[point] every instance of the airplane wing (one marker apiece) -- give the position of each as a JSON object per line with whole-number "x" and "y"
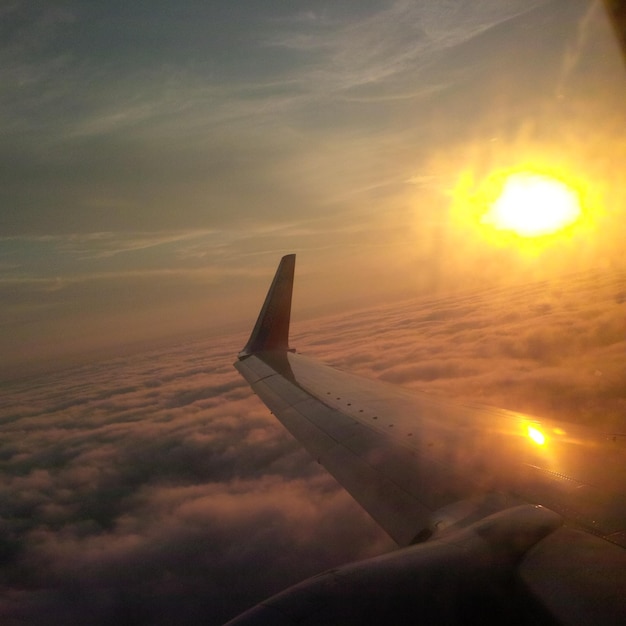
{"x": 498, "y": 515}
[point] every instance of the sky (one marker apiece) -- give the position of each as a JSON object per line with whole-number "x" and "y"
{"x": 158, "y": 159}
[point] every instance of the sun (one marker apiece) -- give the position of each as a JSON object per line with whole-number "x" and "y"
{"x": 532, "y": 205}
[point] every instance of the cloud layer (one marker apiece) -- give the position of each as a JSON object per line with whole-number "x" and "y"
{"x": 155, "y": 488}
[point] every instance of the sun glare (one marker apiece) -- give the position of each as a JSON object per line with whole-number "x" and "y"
{"x": 532, "y": 205}
{"x": 536, "y": 435}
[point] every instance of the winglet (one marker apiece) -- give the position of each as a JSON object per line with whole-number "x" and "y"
{"x": 271, "y": 331}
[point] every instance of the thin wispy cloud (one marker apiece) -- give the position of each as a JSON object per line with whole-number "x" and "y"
{"x": 401, "y": 37}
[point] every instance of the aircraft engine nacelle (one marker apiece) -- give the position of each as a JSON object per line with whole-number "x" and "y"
{"x": 495, "y": 571}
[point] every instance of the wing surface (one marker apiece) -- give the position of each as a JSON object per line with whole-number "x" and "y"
{"x": 463, "y": 482}
{"x": 419, "y": 464}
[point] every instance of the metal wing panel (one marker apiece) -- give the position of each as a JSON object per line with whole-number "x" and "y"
{"x": 466, "y": 449}
{"x": 430, "y": 453}
{"x": 324, "y": 431}
{"x": 404, "y": 456}
{"x": 579, "y": 578}
{"x": 420, "y": 475}
{"x": 396, "y": 485}
{"x": 423, "y": 465}
{"x": 254, "y": 370}
{"x": 401, "y": 514}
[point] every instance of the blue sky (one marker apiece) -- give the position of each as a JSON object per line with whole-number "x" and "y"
{"x": 157, "y": 158}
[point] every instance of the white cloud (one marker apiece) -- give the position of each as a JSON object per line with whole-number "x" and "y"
{"x": 145, "y": 482}
{"x": 401, "y": 37}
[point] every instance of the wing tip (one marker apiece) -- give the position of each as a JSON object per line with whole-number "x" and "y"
{"x": 271, "y": 331}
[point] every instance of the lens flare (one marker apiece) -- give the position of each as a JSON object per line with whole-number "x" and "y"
{"x": 532, "y": 205}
